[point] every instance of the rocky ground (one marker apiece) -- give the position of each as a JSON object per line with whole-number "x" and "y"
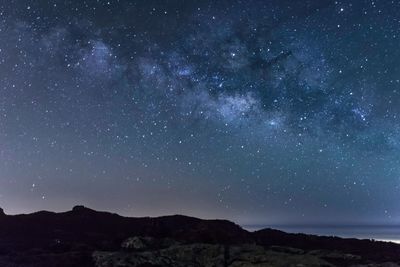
{"x": 147, "y": 251}
{"x": 200, "y": 254}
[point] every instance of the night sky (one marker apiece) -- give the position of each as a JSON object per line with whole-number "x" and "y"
{"x": 255, "y": 111}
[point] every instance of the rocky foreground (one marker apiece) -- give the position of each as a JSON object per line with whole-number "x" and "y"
{"x": 146, "y": 251}
{"x": 87, "y": 238}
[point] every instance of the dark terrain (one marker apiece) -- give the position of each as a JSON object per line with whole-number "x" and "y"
{"x": 84, "y": 237}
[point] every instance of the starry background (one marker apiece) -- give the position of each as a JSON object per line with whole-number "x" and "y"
{"x": 255, "y": 111}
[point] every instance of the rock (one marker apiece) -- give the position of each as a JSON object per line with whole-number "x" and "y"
{"x": 147, "y": 243}
{"x": 178, "y": 256}
{"x": 335, "y": 256}
{"x": 138, "y": 243}
{"x": 202, "y": 255}
{"x": 287, "y": 250}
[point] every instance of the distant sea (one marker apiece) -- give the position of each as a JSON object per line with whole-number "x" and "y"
{"x": 389, "y": 233}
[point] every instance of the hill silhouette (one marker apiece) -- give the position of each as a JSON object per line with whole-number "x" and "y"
{"x": 70, "y": 238}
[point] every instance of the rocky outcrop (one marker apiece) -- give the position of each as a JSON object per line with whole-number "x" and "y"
{"x": 146, "y": 251}
{"x": 147, "y": 243}
{"x": 2, "y": 212}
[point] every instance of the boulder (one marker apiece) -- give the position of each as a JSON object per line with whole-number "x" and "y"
{"x": 147, "y": 243}
{"x": 138, "y": 243}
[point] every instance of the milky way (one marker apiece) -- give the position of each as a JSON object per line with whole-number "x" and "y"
{"x": 254, "y": 111}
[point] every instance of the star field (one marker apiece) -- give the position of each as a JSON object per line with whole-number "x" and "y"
{"x": 254, "y": 111}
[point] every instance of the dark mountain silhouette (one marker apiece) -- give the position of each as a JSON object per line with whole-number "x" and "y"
{"x": 70, "y": 238}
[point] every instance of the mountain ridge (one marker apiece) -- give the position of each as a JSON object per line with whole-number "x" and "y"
{"x": 76, "y": 234}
